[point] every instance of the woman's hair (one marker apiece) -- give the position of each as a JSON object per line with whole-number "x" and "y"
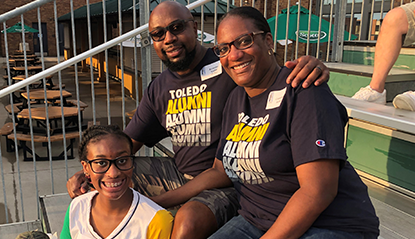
{"x": 248, "y": 13}
{"x": 95, "y": 133}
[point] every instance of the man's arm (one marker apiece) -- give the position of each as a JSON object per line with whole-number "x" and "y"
{"x": 309, "y": 68}
{"x": 136, "y": 145}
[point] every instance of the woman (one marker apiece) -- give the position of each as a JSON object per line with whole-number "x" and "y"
{"x": 113, "y": 210}
{"x": 281, "y": 147}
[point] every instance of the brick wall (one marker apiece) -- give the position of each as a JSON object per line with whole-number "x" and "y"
{"x": 47, "y": 16}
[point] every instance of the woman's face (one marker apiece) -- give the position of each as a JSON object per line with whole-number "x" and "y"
{"x": 114, "y": 183}
{"x": 246, "y": 67}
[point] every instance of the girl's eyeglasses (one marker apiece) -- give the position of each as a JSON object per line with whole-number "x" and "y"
{"x": 123, "y": 163}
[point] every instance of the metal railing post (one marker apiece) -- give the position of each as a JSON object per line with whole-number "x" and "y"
{"x": 145, "y": 54}
{"x": 338, "y": 31}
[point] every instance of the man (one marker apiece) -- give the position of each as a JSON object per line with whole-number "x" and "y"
{"x": 186, "y": 102}
{"x": 398, "y": 28}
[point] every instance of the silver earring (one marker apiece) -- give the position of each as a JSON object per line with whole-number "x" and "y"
{"x": 270, "y": 52}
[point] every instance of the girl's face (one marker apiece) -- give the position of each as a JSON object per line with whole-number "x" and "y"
{"x": 114, "y": 183}
{"x": 246, "y": 67}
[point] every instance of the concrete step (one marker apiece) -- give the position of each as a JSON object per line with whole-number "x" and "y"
{"x": 346, "y": 79}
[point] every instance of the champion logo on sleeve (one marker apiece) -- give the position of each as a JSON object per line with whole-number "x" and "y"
{"x": 321, "y": 143}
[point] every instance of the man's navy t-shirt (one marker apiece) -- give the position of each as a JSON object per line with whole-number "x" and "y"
{"x": 189, "y": 109}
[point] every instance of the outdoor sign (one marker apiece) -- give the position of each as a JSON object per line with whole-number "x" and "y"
{"x": 313, "y": 35}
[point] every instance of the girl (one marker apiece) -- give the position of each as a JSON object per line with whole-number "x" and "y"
{"x": 113, "y": 209}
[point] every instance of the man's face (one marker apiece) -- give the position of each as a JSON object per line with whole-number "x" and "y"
{"x": 177, "y": 51}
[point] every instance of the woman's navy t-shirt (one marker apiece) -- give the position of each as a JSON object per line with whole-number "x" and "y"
{"x": 265, "y": 137}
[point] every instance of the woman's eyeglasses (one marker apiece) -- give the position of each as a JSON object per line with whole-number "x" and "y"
{"x": 123, "y": 163}
{"x": 241, "y": 43}
{"x": 174, "y": 28}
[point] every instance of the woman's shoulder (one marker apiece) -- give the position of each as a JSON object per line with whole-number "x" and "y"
{"x": 284, "y": 72}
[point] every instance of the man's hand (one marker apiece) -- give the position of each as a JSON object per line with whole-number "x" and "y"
{"x": 77, "y": 185}
{"x": 308, "y": 68}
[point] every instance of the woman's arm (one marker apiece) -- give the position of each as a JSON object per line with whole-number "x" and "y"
{"x": 318, "y": 187}
{"x": 214, "y": 177}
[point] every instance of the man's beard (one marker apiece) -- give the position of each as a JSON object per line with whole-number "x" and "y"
{"x": 180, "y": 65}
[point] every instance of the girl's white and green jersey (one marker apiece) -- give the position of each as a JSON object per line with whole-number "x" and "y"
{"x": 145, "y": 219}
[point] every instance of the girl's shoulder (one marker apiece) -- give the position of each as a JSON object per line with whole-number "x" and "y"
{"x": 84, "y": 198}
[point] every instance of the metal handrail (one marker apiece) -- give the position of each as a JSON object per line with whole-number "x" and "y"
{"x": 83, "y": 56}
{"x": 20, "y": 10}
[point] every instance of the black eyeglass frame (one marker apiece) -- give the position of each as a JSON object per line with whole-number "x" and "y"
{"x": 252, "y": 34}
{"x": 165, "y": 29}
{"x": 111, "y": 162}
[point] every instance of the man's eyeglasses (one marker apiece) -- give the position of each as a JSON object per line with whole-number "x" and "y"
{"x": 241, "y": 43}
{"x": 174, "y": 28}
{"x": 123, "y": 163}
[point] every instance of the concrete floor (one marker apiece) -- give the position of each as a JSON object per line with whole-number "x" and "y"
{"x": 19, "y": 177}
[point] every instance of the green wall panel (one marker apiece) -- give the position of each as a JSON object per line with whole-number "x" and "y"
{"x": 359, "y": 57}
{"x": 385, "y": 157}
{"x": 367, "y": 58}
{"x": 347, "y": 84}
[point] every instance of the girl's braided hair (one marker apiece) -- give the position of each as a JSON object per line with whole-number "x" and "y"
{"x": 95, "y": 133}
